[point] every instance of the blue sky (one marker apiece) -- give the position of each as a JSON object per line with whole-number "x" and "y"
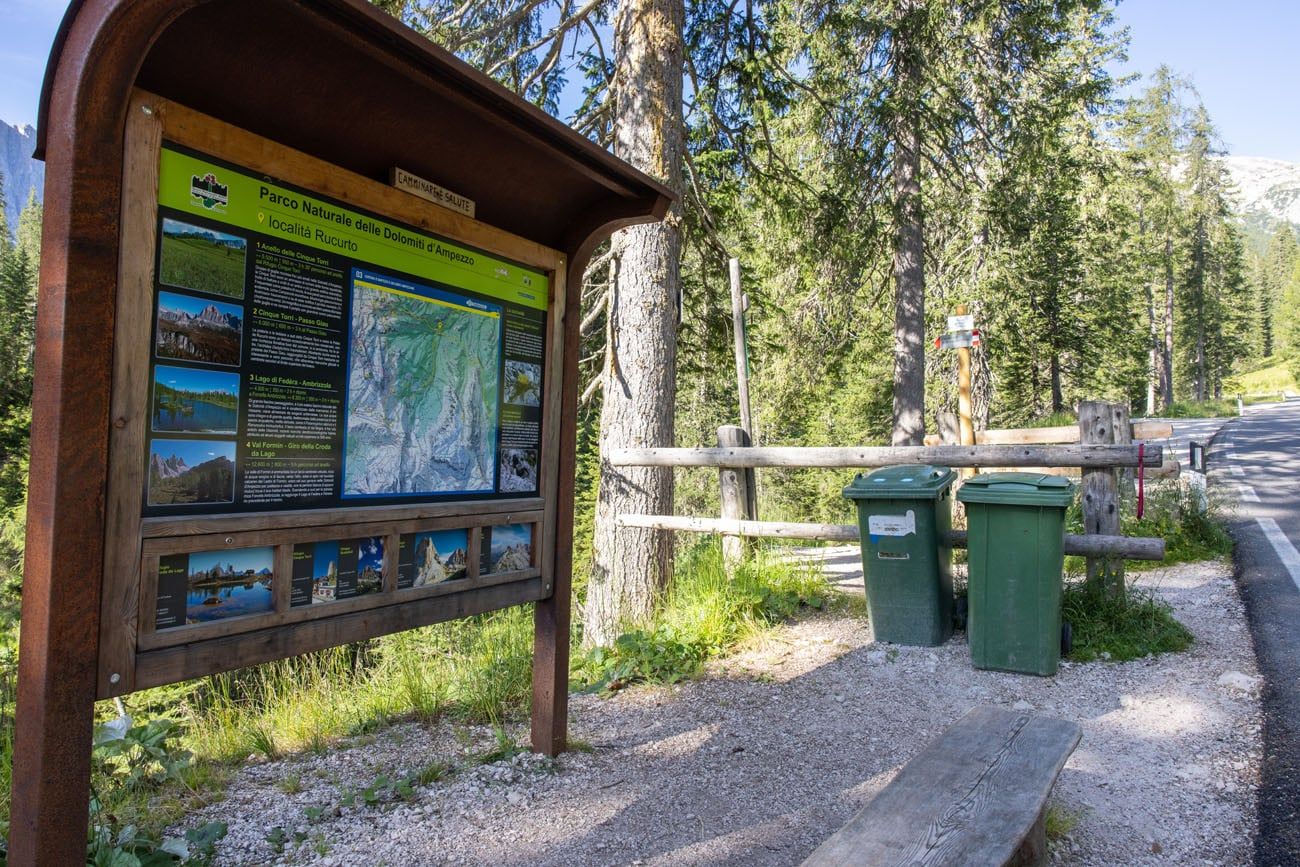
{"x": 1242, "y": 56}
{"x": 177, "y": 227}
{"x": 193, "y": 379}
{"x": 510, "y": 534}
{"x": 242, "y": 559}
{"x": 324, "y": 554}
{"x": 194, "y": 452}
{"x": 444, "y": 541}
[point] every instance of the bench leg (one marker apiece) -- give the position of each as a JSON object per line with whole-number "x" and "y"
{"x": 1033, "y": 851}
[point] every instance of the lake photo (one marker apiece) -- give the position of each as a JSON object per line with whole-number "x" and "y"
{"x": 195, "y": 401}
{"x": 225, "y": 584}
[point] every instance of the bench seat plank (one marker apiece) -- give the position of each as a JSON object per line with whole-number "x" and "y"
{"x": 973, "y": 796}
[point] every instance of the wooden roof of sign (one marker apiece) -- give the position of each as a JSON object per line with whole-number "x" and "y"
{"x": 346, "y": 83}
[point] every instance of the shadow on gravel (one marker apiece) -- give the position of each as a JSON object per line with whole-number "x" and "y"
{"x": 746, "y": 772}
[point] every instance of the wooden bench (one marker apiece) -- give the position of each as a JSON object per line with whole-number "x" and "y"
{"x": 977, "y": 795}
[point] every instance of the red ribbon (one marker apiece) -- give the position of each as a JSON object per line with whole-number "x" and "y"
{"x": 1142, "y": 468}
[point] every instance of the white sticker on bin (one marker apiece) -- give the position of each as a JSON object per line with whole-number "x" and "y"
{"x": 892, "y": 525}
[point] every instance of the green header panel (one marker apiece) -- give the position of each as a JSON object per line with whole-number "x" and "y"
{"x": 220, "y": 193}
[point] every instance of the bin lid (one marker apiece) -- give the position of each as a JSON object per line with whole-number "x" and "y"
{"x": 1018, "y": 489}
{"x": 920, "y": 481}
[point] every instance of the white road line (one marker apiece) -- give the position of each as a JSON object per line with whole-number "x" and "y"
{"x": 1286, "y": 552}
{"x": 1248, "y": 493}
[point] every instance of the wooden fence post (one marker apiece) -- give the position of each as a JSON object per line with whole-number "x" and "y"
{"x": 1100, "y": 496}
{"x": 1122, "y": 425}
{"x": 734, "y": 487}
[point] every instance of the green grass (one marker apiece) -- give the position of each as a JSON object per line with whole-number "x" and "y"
{"x": 1275, "y": 376}
{"x": 1060, "y": 822}
{"x": 1054, "y": 419}
{"x": 193, "y": 263}
{"x": 1191, "y": 533}
{"x": 476, "y": 670}
{"x": 1200, "y": 409}
{"x": 704, "y": 615}
{"x": 1120, "y": 628}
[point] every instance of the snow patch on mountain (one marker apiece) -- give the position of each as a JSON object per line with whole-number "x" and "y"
{"x": 1267, "y": 188}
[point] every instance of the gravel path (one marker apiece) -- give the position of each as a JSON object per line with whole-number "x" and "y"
{"x": 764, "y": 758}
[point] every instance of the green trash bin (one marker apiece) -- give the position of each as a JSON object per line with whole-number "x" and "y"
{"x": 1016, "y": 524}
{"x": 904, "y": 517}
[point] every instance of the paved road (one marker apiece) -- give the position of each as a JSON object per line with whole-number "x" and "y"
{"x": 1257, "y": 459}
{"x": 1187, "y": 430}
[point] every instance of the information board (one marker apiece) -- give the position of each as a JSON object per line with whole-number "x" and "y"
{"x": 305, "y": 354}
{"x": 333, "y": 401}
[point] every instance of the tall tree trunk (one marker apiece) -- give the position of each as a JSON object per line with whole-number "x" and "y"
{"x": 1153, "y": 353}
{"x": 1058, "y": 399}
{"x": 909, "y": 242}
{"x": 1167, "y": 351}
{"x": 631, "y": 567}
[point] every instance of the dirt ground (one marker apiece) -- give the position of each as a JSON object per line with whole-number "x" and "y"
{"x": 773, "y": 750}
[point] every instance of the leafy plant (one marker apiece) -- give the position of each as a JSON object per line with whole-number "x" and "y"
{"x": 131, "y": 754}
{"x": 277, "y": 838}
{"x": 125, "y": 757}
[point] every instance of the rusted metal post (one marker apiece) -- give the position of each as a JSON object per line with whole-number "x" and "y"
{"x": 733, "y": 487}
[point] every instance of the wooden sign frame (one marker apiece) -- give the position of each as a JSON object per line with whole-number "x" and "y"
{"x": 330, "y": 95}
{"x": 133, "y": 654}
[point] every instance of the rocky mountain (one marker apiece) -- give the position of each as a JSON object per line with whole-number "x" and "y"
{"x": 167, "y": 468}
{"x": 515, "y": 558}
{"x": 432, "y": 568}
{"x": 21, "y": 173}
{"x": 211, "y": 317}
{"x": 1268, "y": 192}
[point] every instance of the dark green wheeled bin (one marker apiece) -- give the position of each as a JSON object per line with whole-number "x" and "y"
{"x": 1016, "y": 524}
{"x": 904, "y": 516}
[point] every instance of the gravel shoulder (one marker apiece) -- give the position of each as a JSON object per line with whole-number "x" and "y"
{"x": 768, "y": 754}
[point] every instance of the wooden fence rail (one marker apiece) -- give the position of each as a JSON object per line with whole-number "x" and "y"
{"x": 1127, "y": 547}
{"x": 1102, "y": 446}
{"x": 1142, "y": 430}
{"x": 840, "y": 457}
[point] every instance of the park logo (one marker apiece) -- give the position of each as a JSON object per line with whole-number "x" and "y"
{"x": 209, "y": 192}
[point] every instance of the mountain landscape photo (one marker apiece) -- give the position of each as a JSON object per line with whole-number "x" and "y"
{"x": 196, "y": 329}
{"x": 197, "y": 471}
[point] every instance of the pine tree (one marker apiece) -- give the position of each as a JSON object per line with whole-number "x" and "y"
{"x": 1274, "y": 277}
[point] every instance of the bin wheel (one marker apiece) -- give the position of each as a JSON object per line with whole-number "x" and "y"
{"x": 959, "y": 613}
{"x": 1067, "y": 638}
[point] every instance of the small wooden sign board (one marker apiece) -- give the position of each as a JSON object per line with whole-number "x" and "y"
{"x": 282, "y": 405}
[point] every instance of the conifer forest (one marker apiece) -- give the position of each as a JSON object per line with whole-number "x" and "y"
{"x": 872, "y": 166}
